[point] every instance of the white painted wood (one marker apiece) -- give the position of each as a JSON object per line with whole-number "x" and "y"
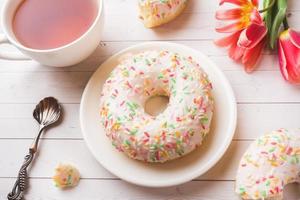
{"x": 119, "y": 190}
{"x": 106, "y": 49}
{"x": 29, "y": 87}
{"x": 52, "y": 152}
{"x": 191, "y": 26}
{"x": 194, "y": 6}
{"x": 27, "y": 127}
{"x": 253, "y": 121}
{"x": 266, "y": 102}
{"x": 92, "y": 189}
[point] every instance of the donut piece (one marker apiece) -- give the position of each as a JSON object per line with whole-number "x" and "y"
{"x": 66, "y": 176}
{"x": 158, "y": 12}
{"x": 270, "y": 163}
{"x": 179, "y": 129}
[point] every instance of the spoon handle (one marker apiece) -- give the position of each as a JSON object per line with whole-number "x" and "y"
{"x": 21, "y": 182}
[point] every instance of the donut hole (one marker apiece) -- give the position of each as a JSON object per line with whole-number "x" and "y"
{"x": 156, "y": 105}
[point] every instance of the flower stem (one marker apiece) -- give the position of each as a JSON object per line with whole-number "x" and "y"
{"x": 269, "y": 7}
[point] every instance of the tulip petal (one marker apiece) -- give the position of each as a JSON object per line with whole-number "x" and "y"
{"x": 229, "y": 14}
{"x": 252, "y": 55}
{"x": 289, "y": 59}
{"x": 230, "y": 28}
{"x": 282, "y": 62}
{"x": 229, "y": 40}
{"x": 235, "y": 52}
{"x": 295, "y": 37}
{"x": 255, "y": 17}
{"x": 236, "y": 2}
{"x": 255, "y": 2}
{"x": 252, "y": 35}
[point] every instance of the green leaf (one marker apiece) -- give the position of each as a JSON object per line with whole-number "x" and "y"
{"x": 268, "y": 15}
{"x": 281, "y": 8}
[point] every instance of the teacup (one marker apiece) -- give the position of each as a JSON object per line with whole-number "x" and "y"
{"x": 70, "y": 54}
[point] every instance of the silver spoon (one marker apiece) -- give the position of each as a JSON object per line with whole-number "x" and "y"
{"x": 46, "y": 113}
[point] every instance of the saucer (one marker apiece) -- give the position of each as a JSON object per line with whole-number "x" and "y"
{"x": 173, "y": 172}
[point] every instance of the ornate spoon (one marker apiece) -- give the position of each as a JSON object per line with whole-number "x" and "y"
{"x": 46, "y": 113}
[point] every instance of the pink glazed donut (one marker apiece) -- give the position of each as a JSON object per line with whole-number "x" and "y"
{"x": 179, "y": 129}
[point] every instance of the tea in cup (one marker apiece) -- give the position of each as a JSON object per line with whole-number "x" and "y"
{"x": 52, "y": 32}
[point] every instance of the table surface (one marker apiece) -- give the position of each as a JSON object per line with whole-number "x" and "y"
{"x": 265, "y": 102}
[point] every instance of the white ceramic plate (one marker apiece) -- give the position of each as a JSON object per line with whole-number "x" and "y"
{"x": 174, "y": 172}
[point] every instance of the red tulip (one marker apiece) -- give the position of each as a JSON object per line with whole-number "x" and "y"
{"x": 289, "y": 55}
{"x": 248, "y": 32}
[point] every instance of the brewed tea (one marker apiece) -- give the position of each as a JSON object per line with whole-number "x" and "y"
{"x": 47, "y": 24}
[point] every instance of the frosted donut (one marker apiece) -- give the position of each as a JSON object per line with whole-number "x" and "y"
{"x": 158, "y": 12}
{"x": 270, "y": 163}
{"x": 179, "y": 129}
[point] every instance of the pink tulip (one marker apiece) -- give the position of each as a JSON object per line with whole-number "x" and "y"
{"x": 248, "y": 31}
{"x": 242, "y": 15}
{"x": 289, "y": 55}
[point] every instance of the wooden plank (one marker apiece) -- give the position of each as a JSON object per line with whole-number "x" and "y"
{"x": 224, "y": 170}
{"x": 187, "y": 26}
{"x": 253, "y": 121}
{"x": 53, "y": 152}
{"x": 194, "y": 6}
{"x": 129, "y": 7}
{"x": 27, "y": 87}
{"x": 261, "y": 86}
{"x": 115, "y": 189}
{"x": 106, "y": 49}
{"x": 27, "y": 127}
{"x": 265, "y": 103}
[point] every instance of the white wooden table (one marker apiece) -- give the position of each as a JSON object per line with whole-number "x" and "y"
{"x": 265, "y": 102}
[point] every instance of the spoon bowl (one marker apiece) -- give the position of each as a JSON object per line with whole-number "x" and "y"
{"x": 47, "y": 112}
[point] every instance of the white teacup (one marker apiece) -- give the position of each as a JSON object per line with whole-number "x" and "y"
{"x": 66, "y": 55}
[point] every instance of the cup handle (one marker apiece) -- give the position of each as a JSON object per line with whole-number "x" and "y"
{"x": 10, "y": 55}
